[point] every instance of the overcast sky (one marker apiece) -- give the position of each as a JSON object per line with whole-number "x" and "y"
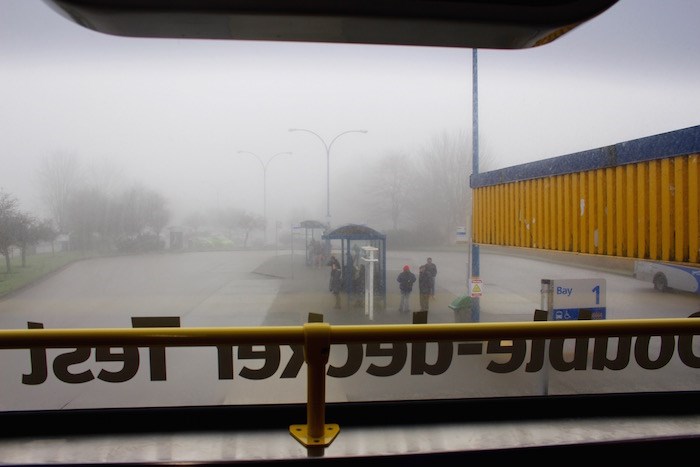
{"x": 173, "y": 114}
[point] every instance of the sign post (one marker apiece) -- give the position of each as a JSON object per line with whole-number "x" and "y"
{"x": 566, "y": 298}
{"x": 461, "y": 235}
{"x": 476, "y": 287}
{"x": 368, "y": 256}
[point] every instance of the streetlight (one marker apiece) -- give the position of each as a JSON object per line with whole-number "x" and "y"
{"x": 264, "y": 166}
{"x": 328, "y": 163}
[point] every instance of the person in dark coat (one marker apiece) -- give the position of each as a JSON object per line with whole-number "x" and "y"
{"x": 336, "y": 283}
{"x": 424, "y": 288}
{"x": 431, "y": 270}
{"x": 359, "y": 286}
{"x": 405, "y": 279}
{"x": 333, "y": 261}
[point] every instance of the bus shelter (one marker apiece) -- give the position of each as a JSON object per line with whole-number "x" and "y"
{"x": 353, "y": 238}
{"x": 311, "y": 227}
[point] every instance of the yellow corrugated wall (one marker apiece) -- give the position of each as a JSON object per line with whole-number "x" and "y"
{"x": 648, "y": 210}
{"x": 693, "y": 209}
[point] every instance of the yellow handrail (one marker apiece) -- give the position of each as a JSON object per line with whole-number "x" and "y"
{"x": 318, "y": 337}
{"x": 341, "y": 334}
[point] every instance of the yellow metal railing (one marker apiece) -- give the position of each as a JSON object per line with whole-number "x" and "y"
{"x": 318, "y": 337}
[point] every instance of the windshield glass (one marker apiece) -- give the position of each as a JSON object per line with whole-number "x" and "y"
{"x": 219, "y": 183}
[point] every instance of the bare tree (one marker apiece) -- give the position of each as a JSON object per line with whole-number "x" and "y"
{"x": 106, "y": 175}
{"x": 59, "y": 176}
{"x": 237, "y": 219}
{"x": 195, "y": 220}
{"x": 386, "y": 188}
{"x": 8, "y": 226}
{"x": 84, "y": 217}
{"x": 144, "y": 209}
{"x": 156, "y": 212}
{"x": 94, "y": 216}
{"x": 25, "y": 234}
{"x": 29, "y": 232}
{"x": 249, "y": 222}
{"x": 443, "y": 177}
{"x": 20, "y": 229}
{"x": 44, "y": 231}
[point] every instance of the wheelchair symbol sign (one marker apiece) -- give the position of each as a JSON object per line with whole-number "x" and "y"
{"x": 567, "y": 298}
{"x": 562, "y": 314}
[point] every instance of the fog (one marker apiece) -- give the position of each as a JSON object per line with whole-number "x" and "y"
{"x": 182, "y": 117}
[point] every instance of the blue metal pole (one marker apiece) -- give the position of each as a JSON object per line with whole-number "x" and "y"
{"x": 475, "y": 306}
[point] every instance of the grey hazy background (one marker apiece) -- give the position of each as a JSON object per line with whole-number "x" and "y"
{"x": 173, "y": 114}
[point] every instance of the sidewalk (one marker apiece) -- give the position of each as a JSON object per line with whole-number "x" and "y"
{"x": 304, "y": 290}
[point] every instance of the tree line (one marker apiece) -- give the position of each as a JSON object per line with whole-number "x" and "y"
{"x": 96, "y": 213}
{"x": 418, "y": 198}
{"x": 93, "y": 217}
{"x": 20, "y": 229}
{"x": 421, "y": 197}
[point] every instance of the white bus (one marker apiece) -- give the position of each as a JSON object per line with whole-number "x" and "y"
{"x": 666, "y": 276}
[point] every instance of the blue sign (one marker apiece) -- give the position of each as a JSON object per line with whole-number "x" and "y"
{"x": 569, "y": 296}
{"x": 565, "y": 314}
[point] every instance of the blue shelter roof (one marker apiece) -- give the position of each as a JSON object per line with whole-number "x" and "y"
{"x": 354, "y": 232}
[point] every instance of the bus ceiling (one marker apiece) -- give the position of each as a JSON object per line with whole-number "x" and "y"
{"x": 484, "y": 24}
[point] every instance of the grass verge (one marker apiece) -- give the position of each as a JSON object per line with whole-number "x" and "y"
{"x": 38, "y": 266}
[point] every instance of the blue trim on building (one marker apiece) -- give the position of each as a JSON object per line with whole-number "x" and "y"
{"x": 661, "y": 146}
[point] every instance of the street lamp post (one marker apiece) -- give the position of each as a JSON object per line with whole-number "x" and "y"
{"x": 476, "y": 307}
{"x": 328, "y": 163}
{"x": 264, "y": 167}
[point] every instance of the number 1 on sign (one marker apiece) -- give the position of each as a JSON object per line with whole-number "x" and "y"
{"x": 596, "y": 289}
